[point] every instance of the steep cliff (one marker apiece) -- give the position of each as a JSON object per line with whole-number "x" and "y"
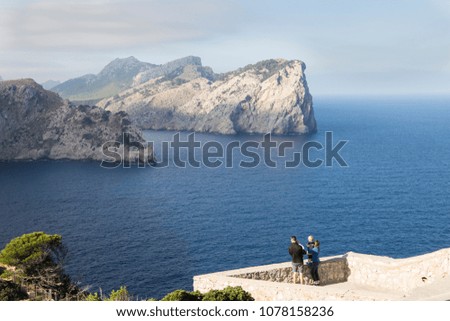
{"x": 36, "y": 123}
{"x": 270, "y": 96}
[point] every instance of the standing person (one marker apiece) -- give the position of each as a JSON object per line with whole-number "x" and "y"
{"x": 314, "y": 252}
{"x": 310, "y": 245}
{"x": 296, "y": 251}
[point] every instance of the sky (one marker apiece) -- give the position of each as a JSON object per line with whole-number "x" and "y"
{"x": 350, "y": 47}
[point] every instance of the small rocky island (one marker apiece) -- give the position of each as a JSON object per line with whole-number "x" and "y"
{"x": 39, "y": 124}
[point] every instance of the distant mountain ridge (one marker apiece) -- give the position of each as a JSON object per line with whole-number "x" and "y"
{"x": 113, "y": 78}
{"x": 49, "y": 84}
{"x": 121, "y": 74}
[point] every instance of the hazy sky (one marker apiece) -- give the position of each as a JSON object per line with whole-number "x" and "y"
{"x": 349, "y": 46}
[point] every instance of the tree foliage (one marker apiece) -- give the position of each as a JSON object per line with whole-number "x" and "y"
{"x": 36, "y": 260}
{"x": 32, "y": 251}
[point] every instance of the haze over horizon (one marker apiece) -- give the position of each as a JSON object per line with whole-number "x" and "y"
{"x": 349, "y": 47}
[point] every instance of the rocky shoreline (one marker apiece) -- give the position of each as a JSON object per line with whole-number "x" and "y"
{"x": 38, "y": 124}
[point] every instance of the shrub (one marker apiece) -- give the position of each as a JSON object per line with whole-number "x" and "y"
{"x": 228, "y": 294}
{"x": 92, "y": 297}
{"x": 182, "y": 295}
{"x": 10, "y": 291}
{"x": 87, "y": 121}
{"x": 120, "y": 295}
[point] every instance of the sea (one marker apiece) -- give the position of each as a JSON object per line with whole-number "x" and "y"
{"x": 152, "y": 229}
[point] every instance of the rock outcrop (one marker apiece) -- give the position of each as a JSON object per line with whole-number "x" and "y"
{"x": 38, "y": 124}
{"x": 172, "y": 68}
{"x": 270, "y": 96}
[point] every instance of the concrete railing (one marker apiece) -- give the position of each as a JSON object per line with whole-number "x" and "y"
{"x": 398, "y": 274}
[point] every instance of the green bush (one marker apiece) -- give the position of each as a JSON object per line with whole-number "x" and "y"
{"x": 228, "y": 294}
{"x": 182, "y": 295}
{"x": 92, "y": 297}
{"x": 120, "y": 295}
{"x": 10, "y": 291}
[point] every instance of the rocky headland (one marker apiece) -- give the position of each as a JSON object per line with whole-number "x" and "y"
{"x": 39, "y": 124}
{"x": 271, "y": 96}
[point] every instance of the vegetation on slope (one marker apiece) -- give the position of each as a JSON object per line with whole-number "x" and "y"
{"x": 32, "y": 267}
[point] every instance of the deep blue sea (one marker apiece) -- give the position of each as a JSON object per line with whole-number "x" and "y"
{"x": 153, "y": 229}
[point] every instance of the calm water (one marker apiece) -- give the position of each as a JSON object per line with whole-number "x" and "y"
{"x": 153, "y": 229}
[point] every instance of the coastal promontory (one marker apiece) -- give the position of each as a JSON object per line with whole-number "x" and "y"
{"x": 271, "y": 96}
{"x": 39, "y": 124}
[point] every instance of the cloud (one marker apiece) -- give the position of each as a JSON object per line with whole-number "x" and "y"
{"x": 102, "y": 25}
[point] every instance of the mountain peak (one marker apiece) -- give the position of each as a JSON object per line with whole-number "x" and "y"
{"x": 188, "y": 60}
{"x": 124, "y": 65}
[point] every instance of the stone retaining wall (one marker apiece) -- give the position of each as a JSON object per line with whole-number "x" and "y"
{"x": 332, "y": 270}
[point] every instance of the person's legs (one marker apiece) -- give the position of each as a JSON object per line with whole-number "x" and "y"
{"x": 300, "y": 270}
{"x": 294, "y": 272}
{"x": 315, "y": 273}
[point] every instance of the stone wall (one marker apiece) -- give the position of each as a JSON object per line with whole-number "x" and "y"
{"x": 398, "y": 274}
{"x": 352, "y": 276}
{"x": 332, "y": 270}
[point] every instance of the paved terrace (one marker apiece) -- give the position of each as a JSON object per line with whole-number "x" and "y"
{"x": 351, "y": 276}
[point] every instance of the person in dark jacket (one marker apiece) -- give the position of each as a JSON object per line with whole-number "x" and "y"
{"x": 314, "y": 253}
{"x": 296, "y": 251}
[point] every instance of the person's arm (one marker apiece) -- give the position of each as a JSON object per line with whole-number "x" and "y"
{"x": 303, "y": 249}
{"x": 290, "y": 250}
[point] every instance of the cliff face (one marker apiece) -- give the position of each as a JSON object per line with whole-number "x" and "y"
{"x": 35, "y": 123}
{"x": 270, "y": 96}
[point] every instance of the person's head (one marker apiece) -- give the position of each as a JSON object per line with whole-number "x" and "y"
{"x": 310, "y": 238}
{"x": 293, "y": 239}
{"x": 316, "y": 243}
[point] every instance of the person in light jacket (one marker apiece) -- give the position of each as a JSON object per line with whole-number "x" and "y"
{"x": 314, "y": 253}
